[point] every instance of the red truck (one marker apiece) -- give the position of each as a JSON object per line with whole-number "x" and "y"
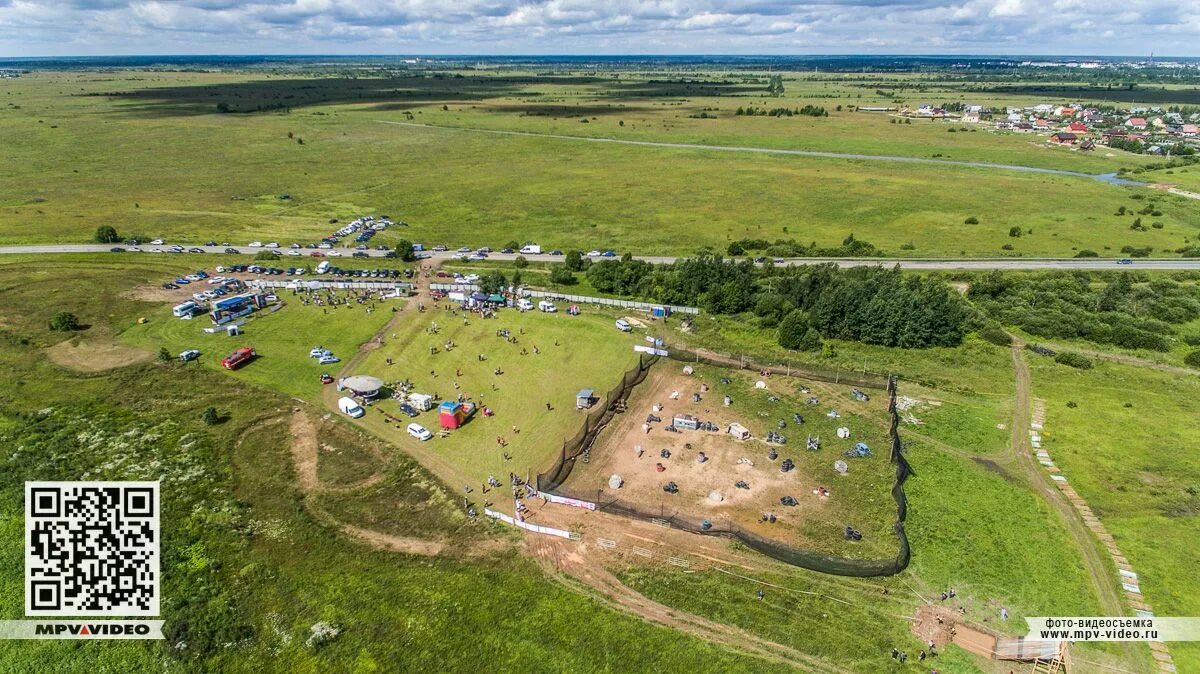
{"x": 239, "y": 357}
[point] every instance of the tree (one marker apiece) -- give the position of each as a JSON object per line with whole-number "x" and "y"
{"x": 64, "y": 321}
{"x": 520, "y": 262}
{"x": 573, "y": 260}
{"x": 1192, "y": 359}
{"x": 264, "y": 256}
{"x": 223, "y": 107}
{"x": 792, "y": 330}
{"x": 560, "y": 275}
{"x": 1014, "y": 232}
{"x": 971, "y": 221}
{"x": 106, "y": 234}
{"x": 512, "y": 245}
{"x": 493, "y": 282}
{"x": 164, "y": 356}
{"x": 736, "y": 248}
{"x": 210, "y": 417}
{"x": 404, "y": 250}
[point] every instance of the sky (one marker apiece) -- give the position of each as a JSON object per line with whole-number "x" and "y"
{"x": 501, "y": 27}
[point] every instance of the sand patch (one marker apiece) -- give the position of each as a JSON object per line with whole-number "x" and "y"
{"x": 95, "y": 356}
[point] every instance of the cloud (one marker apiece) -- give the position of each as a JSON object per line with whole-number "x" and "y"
{"x": 48, "y": 27}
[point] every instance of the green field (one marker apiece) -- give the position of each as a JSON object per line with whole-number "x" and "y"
{"x": 78, "y": 161}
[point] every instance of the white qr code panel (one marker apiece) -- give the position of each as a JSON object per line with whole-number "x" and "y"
{"x": 91, "y": 549}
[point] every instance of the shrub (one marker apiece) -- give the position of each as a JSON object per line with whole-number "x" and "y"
{"x": 1087, "y": 253}
{"x": 164, "y": 356}
{"x": 971, "y": 221}
{"x": 210, "y": 417}
{"x": 64, "y": 321}
{"x": 1075, "y": 360}
{"x": 561, "y": 276}
{"x": 264, "y": 256}
{"x": 996, "y": 335}
{"x": 1014, "y": 232}
{"x": 106, "y": 234}
{"x": 735, "y": 248}
{"x": 1192, "y": 359}
{"x": 520, "y": 262}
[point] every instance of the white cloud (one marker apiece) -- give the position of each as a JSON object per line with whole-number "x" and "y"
{"x": 48, "y": 27}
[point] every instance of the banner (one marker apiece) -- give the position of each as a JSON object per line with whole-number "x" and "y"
{"x": 81, "y": 629}
{"x": 1101, "y": 628}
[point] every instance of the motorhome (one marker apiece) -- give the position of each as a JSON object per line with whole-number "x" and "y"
{"x": 547, "y": 307}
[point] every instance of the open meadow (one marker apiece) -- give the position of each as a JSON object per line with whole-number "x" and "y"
{"x": 78, "y": 156}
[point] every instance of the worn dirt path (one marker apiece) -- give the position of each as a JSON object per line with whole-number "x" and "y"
{"x": 1103, "y": 582}
{"x": 1125, "y": 359}
{"x": 563, "y": 558}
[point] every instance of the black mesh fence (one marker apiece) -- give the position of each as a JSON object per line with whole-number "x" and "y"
{"x": 861, "y": 379}
{"x": 831, "y": 564}
{"x": 596, "y": 419}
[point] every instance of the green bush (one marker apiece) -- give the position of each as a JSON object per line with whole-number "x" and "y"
{"x": 1075, "y": 360}
{"x": 996, "y": 335}
{"x": 106, "y": 234}
{"x": 561, "y": 276}
{"x": 64, "y": 321}
{"x": 1193, "y": 358}
{"x": 1087, "y": 253}
{"x": 264, "y": 256}
{"x": 971, "y": 221}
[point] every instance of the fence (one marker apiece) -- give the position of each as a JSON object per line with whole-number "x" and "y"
{"x": 831, "y": 564}
{"x": 861, "y": 379}
{"x": 596, "y": 420}
{"x": 575, "y": 299}
{"x": 549, "y": 531}
{"x": 322, "y": 284}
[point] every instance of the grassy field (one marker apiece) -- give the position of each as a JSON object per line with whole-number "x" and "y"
{"x": 78, "y": 161}
{"x": 1123, "y": 446}
{"x": 247, "y": 570}
{"x": 575, "y": 352}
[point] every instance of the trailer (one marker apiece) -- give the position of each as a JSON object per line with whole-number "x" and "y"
{"x": 685, "y": 422}
{"x": 421, "y": 401}
{"x": 547, "y": 307}
{"x": 739, "y": 431}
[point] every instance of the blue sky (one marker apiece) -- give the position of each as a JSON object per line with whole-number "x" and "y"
{"x": 1079, "y": 27}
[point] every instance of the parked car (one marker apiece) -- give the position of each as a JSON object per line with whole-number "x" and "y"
{"x": 116, "y": 249}
{"x": 190, "y": 354}
{"x": 556, "y": 252}
{"x": 1125, "y": 260}
{"x": 439, "y": 248}
{"x": 408, "y": 409}
{"x": 318, "y": 351}
{"x": 256, "y": 244}
{"x": 328, "y": 360}
{"x": 350, "y": 407}
{"x": 211, "y": 243}
{"x": 594, "y": 253}
{"x": 272, "y": 244}
{"x": 232, "y": 251}
{"x": 157, "y": 242}
{"x": 182, "y": 281}
{"x": 419, "y": 432}
{"x": 134, "y": 249}
{"x": 294, "y": 253}
{"x": 609, "y": 253}
{"x": 293, "y": 245}
{"x": 316, "y": 253}
{"x": 195, "y": 250}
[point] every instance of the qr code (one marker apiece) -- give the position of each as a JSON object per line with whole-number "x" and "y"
{"x": 91, "y": 549}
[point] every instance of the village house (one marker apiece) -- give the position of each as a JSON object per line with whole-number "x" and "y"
{"x": 1064, "y": 138}
{"x": 1077, "y": 127}
{"x": 1136, "y": 122}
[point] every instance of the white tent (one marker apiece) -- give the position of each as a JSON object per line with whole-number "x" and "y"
{"x": 615, "y": 481}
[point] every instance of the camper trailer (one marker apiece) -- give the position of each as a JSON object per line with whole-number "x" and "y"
{"x": 547, "y": 307}
{"x": 421, "y": 401}
{"x": 350, "y": 408}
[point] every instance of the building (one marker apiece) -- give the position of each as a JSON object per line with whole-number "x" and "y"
{"x": 1136, "y": 122}
{"x": 1064, "y": 138}
{"x": 585, "y": 399}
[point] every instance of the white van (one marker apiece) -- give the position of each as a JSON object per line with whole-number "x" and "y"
{"x": 531, "y": 249}
{"x": 623, "y": 325}
{"x": 524, "y": 304}
{"x": 419, "y": 432}
{"x": 184, "y": 310}
{"x": 547, "y": 307}
{"x": 323, "y": 267}
{"x": 350, "y": 408}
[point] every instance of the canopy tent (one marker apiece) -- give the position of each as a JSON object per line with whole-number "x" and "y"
{"x": 363, "y": 385}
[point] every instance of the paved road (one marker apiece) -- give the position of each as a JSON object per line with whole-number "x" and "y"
{"x": 1110, "y": 178}
{"x": 945, "y": 264}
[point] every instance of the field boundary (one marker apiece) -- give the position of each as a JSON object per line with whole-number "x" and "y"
{"x": 831, "y": 564}
{"x": 862, "y": 379}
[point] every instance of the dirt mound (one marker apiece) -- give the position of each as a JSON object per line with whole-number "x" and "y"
{"x": 94, "y": 356}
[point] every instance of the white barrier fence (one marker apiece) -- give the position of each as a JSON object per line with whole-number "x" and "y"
{"x": 322, "y": 284}
{"x": 564, "y": 500}
{"x": 549, "y": 531}
{"x": 577, "y": 299}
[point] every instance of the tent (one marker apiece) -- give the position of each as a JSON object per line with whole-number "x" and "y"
{"x": 363, "y": 385}
{"x": 585, "y": 398}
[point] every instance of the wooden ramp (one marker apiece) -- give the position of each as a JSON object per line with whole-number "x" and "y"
{"x": 974, "y": 641}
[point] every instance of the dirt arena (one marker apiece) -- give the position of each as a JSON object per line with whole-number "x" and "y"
{"x": 859, "y": 498}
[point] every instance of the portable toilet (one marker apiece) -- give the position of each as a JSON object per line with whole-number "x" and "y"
{"x": 233, "y": 330}
{"x": 659, "y": 312}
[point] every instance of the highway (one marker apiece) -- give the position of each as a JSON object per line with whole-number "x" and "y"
{"x": 915, "y": 264}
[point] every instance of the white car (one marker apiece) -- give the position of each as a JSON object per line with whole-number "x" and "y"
{"x": 220, "y": 270}
{"x": 464, "y": 249}
{"x": 594, "y": 253}
{"x": 294, "y": 253}
{"x": 134, "y": 249}
{"x": 157, "y": 242}
{"x": 194, "y": 278}
{"x": 190, "y": 354}
{"x": 471, "y": 278}
{"x": 256, "y": 244}
{"x": 324, "y": 246}
{"x": 329, "y": 359}
{"x": 458, "y": 256}
{"x": 419, "y": 432}
{"x": 334, "y": 253}
{"x": 294, "y": 245}
{"x": 318, "y": 351}
{"x": 273, "y": 244}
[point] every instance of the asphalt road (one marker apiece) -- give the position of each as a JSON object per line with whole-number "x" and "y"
{"x": 977, "y": 264}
